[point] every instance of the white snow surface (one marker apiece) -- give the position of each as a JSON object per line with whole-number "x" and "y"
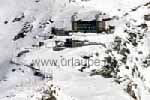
{"x": 73, "y": 84}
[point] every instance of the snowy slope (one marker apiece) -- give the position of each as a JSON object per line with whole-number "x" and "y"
{"x": 20, "y": 80}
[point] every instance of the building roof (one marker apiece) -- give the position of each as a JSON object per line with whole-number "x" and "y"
{"x": 89, "y": 16}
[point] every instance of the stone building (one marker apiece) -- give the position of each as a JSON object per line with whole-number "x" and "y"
{"x": 97, "y": 25}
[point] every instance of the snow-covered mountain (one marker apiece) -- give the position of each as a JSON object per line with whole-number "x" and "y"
{"x": 26, "y": 72}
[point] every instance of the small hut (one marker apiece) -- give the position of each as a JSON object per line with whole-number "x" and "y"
{"x": 147, "y": 17}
